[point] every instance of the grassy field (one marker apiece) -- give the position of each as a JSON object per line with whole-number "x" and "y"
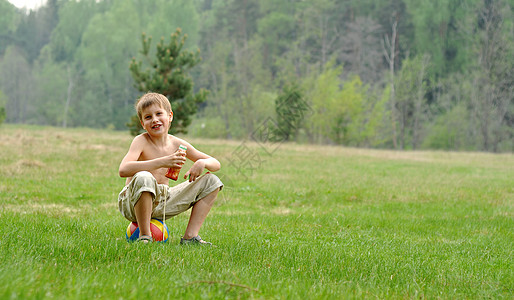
{"x": 306, "y": 222}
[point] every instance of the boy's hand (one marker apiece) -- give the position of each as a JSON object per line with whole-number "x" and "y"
{"x": 196, "y": 170}
{"x": 175, "y": 160}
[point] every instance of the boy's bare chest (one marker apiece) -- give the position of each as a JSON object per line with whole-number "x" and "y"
{"x": 154, "y": 149}
{"x": 151, "y": 151}
{"x": 154, "y": 152}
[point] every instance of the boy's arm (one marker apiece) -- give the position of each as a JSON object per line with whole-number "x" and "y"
{"x": 201, "y": 161}
{"x": 130, "y": 164}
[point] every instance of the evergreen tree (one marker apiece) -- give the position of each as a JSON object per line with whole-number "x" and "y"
{"x": 168, "y": 75}
{"x": 2, "y": 108}
{"x": 9, "y": 18}
{"x": 35, "y": 29}
{"x": 290, "y": 107}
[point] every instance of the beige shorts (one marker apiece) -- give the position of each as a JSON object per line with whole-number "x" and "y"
{"x": 178, "y": 198}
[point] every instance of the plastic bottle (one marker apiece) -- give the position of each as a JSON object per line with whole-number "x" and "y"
{"x": 173, "y": 172}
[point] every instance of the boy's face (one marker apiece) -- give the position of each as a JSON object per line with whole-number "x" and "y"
{"x": 156, "y": 120}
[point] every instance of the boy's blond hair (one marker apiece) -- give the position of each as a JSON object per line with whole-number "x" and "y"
{"x": 150, "y": 99}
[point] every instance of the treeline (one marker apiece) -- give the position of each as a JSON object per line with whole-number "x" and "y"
{"x": 400, "y": 74}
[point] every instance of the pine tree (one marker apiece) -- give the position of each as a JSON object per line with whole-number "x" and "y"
{"x": 290, "y": 108}
{"x": 168, "y": 75}
{"x": 2, "y": 108}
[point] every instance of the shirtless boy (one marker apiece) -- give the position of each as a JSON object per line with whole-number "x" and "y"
{"x": 147, "y": 188}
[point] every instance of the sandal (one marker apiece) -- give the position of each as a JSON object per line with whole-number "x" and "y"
{"x": 197, "y": 240}
{"x": 145, "y": 239}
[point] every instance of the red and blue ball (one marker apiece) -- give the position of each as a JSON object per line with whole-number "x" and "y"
{"x": 157, "y": 227}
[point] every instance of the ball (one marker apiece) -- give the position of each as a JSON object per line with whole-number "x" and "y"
{"x": 157, "y": 227}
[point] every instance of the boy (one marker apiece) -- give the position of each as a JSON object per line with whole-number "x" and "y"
{"x": 150, "y": 155}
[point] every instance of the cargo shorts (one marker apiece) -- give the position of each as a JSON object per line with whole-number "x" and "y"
{"x": 167, "y": 201}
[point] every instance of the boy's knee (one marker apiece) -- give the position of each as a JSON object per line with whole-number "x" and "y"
{"x": 142, "y": 174}
{"x": 143, "y": 182}
{"x": 143, "y": 178}
{"x": 212, "y": 179}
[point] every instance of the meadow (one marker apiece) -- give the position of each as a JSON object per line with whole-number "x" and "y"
{"x": 297, "y": 222}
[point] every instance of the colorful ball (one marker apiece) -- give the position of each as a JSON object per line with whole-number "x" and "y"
{"x": 156, "y": 227}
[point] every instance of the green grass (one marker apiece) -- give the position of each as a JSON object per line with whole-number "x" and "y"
{"x": 309, "y": 222}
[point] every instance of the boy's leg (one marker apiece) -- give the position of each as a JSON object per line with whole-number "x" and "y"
{"x": 199, "y": 213}
{"x": 143, "y": 210}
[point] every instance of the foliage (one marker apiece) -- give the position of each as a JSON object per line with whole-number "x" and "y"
{"x": 411, "y": 88}
{"x": 52, "y": 84}
{"x": 492, "y": 93}
{"x": 2, "y": 108}
{"x": 437, "y": 26}
{"x": 323, "y": 93}
{"x": 35, "y": 29}
{"x": 2, "y": 114}
{"x": 105, "y": 71}
{"x": 339, "y": 109}
{"x": 374, "y": 132}
{"x": 290, "y": 109}
{"x": 168, "y": 75}
{"x": 449, "y": 131}
{"x": 74, "y": 56}
{"x": 15, "y": 78}
{"x": 9, "y": 18}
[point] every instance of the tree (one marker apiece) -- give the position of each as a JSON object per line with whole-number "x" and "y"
{"x": 290, "y": 108}
{"x": 9, "y": 18}
{"x": 161, "y": 17}
{"x": 338, "y": 108}
{"x": 319, "y": 30}
{"x": 375, "y": 130}
{"x": 34, "y": 30}
{"x": 168, "y": 75}
{"x": 360, "y": 52}
{"x": 15, "y": 80}
{"x": 451, "y": 128}
{"x": 2, "y": 108}
{"x": 65, "y": 43}
{"x": 323, "y": 92}
{"x": 411, "y": 87}
{"x": 492, "y": 98}
{"x": 390, "y": 48}
{"x": 277, "y": 30}
{"x": 108, "y": 45}
{"x": 51, "y": 88}
{"x": 436, "y": 27}
{"x": 215, "y": 76}
{"x": 74, "y": 17}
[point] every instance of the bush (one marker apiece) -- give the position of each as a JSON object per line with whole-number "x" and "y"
{"x": 2, "y": 114}
{"x": 450, "y": 131}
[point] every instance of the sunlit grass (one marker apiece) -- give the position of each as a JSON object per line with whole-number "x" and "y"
{"x": 306, "y": 222}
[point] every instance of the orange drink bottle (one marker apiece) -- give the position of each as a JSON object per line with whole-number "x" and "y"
{"x": 173, "y": 172}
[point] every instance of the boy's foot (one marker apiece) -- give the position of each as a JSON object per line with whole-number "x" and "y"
{"x": 145, "y": 239}
{"x": 197, "y": 240}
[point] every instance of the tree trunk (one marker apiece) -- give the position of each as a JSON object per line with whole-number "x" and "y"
{"x": 68, "y": 98}
{"x": 389, "y": 49}
{"x": 419, "y": 103}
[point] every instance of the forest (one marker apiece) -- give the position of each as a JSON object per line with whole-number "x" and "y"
{"x": 392, "y": 74}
